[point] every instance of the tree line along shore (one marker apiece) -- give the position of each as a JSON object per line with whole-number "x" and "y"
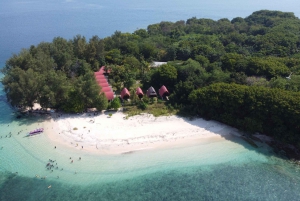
{"x": 244, "y": 72}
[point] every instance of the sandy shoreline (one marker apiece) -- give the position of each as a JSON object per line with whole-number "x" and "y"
{"x": 102, "y": 134}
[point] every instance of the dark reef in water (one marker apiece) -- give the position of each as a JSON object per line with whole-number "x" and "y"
{"x": 256, "y": 181}
{"x": 282, "y": 149}
{"x": 287, "y": 150}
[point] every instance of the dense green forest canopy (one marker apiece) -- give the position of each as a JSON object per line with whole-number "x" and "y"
{"x": 255, "y": 58}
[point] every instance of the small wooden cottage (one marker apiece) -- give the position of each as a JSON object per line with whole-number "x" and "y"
{"x": 163, "y": 92}
{"x": 125, "y": 94}
{"x": 151, "y": 92}
{"x": 139, "y": 92}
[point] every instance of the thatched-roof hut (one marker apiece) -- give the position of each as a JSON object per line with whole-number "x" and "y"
{"x": 139, "y": 92}
{"x": 125, "y": 94}
{"x": 151, "y": 92}
{"x": 163, "y": 91}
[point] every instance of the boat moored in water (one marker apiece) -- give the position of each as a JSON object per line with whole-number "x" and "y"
{"x": 36, "y": 131}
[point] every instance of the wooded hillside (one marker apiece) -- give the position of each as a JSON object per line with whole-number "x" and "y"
{"x": 256, "y": 59}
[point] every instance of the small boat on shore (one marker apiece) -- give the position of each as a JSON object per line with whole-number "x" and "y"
{"x": 36, "y": 131}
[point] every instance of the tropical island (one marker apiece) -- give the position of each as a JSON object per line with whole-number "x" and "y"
{"x": 243, "y": 72}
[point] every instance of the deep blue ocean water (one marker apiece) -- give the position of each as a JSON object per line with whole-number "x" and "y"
{"x": 29, "y": 22}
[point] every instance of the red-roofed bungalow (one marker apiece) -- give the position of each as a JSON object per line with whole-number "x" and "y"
{"x": 163, "y": 91}
{"x": 97, "y": 74}
{"x": 139, "y": 92}
{"x": 109, "y": 95}
{"x": 104, "y": 84}
{"x": 125, "y": 94}
{"x": 103, "y": 71}
{"x": 99, "y": 81}
{"x": 101, "y": 76}
{"x": 102, "y": 81}
{"x": 105, "y": 89}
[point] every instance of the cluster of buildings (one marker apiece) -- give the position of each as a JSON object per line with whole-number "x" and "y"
{"x": 163, "y": 93}
{"x": 102, "y": 80}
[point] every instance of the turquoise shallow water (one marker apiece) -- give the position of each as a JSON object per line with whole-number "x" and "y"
{"x": 252, "y": 181}
{"x": 213, "y": 169}
{"x": 217, "y": 169}
{"x": 210, "y": 170}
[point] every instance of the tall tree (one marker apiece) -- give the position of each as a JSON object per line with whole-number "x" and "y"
{"x": 22, "y": 87}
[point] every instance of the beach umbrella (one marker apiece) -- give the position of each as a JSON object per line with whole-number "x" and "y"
{"x": 125, "y": 94}
{"x": 163, "y": 91}
{"x": 139, "y": 92}
{"x": 151, "y": 92}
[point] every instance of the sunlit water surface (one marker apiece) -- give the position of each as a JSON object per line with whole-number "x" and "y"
{"x": 214, "y": 169}
{"x": 224, "y": 169}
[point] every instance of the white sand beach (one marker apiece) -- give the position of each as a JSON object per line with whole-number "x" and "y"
{"x": 117, "y": 134}
{"x": 90, "y": 148}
